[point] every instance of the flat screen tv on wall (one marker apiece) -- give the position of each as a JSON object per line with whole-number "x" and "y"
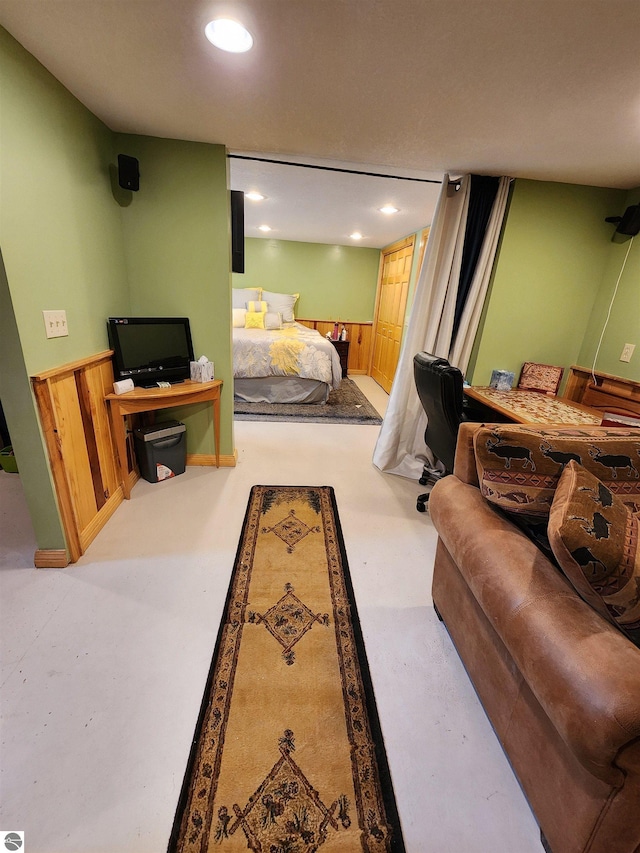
{"x": 150, "y": 350}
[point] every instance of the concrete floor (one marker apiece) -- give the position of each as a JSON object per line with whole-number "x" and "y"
{"x": 104, "y": 663}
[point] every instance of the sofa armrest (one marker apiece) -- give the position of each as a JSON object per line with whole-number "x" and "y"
{"x": 583, "y": 671}
{"x": 464, "y": 466}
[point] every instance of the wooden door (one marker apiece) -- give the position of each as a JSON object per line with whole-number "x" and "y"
{"x": 391, "y": 303}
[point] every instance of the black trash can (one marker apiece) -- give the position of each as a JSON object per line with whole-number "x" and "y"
{"x": 161, "y": 450}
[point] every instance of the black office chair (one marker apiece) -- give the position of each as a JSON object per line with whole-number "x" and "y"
{"x": 439, "y": 387}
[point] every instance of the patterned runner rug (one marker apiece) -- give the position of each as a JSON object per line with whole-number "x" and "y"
{"x": 346, "y": 405}
{"x": 288, "y": 756}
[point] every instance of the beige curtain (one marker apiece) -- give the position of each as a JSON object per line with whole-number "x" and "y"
{"x": 400, "y": 448}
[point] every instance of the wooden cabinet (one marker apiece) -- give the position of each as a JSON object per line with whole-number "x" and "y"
{"x": 342, "y": 348}
{"x": 75, "y": 425}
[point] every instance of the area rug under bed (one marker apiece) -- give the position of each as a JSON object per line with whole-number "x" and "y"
{"x": 288, "y": 756}
{"x": 346, "y": 405}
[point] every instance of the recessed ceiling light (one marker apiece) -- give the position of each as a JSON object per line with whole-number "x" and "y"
{"x": 264, "y": 228}
{"x": 388, "y": 208}
{"x": 254, "y": 196}
{"x": 356, "y": 235}
{"x": 229, "y": 35}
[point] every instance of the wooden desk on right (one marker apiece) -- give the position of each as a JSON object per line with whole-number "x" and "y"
{"x": 532, "y": 407}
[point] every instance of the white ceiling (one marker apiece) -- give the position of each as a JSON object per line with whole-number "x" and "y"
{"x": 542, "y": 89}
{"x": 320, "y": 206}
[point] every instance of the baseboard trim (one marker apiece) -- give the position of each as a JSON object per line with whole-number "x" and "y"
{"x": 226, "y": 461}
{"x": 98, "y": 522}
{"x": 49, "y": 558}
{"x": 357, "y": 372}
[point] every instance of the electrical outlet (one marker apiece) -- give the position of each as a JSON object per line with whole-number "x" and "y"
{"x": 55, "y": 323}
{"x": 627, "y": 352}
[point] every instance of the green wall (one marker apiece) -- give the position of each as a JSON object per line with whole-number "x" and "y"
{"x": 624, "y": 323}
{"x": 554, "y": 253}
{"x": 177, "y": 249}
{"x": 72, "y": 239}
{"x": 60, "y": 228}
{"x": 334, "y": 282}
{"x": 17, "y": 402}
{"x": 61, "y": 239}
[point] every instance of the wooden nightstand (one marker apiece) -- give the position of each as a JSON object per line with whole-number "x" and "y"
{"x": 343, "y": 351}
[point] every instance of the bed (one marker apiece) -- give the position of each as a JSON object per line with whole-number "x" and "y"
{"x": 275, "y": 359}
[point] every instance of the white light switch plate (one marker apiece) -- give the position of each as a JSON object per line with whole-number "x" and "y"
{"x": 55, "y": 323}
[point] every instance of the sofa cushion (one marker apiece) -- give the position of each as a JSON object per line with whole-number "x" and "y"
{"x": 594, "y": 537}
{"x": 519, "y": 465}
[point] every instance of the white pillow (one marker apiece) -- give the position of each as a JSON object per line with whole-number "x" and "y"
{"x": 241, "y": 295}
{"x": 273, "y": 320}
{"x": 239, "y": 316}
{"x": 282, "y": 302}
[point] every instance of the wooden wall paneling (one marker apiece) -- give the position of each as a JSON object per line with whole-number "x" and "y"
{"x": 360, "y": 336}
{"x": 88, "y": 414}
{"x": 323, "y": 326}
{"x": 71, "y": 432}
{"x": 75, "y": 423}
{"x": 360, "y": 350}
{"x": 58, "y": 472}
{"x": 100, "y": 382}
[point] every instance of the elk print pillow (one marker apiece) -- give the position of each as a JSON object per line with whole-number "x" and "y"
{"x": 594, "y": 538}
{"x": 519, "y": 466}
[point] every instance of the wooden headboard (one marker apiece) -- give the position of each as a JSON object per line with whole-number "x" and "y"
{"x": 608, "y": 393}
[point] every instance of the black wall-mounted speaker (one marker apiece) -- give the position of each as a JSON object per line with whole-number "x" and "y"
{"x": 237, "y": 231}
{"x": 630, "y": 222}
{"x": 128, "y": 172}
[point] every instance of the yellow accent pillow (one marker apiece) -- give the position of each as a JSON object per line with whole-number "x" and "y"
{"x": 254, "y": 320}
{"x": 257, "y": 306}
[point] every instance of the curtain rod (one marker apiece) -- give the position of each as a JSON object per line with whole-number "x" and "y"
{"x": 332, "y": 169}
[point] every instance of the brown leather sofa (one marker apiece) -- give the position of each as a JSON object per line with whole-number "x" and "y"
{"x": 560, "y": 685}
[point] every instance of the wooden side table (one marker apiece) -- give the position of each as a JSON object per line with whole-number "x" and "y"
{"x": 343, "y": 351}
{"x": 151, "y": 399}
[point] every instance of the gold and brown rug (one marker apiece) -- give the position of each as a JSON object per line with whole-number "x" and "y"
{"x": 288, "y": 755}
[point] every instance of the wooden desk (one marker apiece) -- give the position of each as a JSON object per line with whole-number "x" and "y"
{"x": 150, "y": 399}
{"x": 532, "y": 407}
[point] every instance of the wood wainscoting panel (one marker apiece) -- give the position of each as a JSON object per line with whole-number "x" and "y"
{"x": 75, "y": 425}
{"x": 360, "y": 336}
{"x": 70, "y": 431}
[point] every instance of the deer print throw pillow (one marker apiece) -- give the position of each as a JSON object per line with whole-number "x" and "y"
{"x": 594, "y": 538}
{"x": 519, "y": 465}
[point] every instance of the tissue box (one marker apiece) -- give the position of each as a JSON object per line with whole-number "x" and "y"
{"x": 502, "y": 380}
{"x": 201, "y": 371}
